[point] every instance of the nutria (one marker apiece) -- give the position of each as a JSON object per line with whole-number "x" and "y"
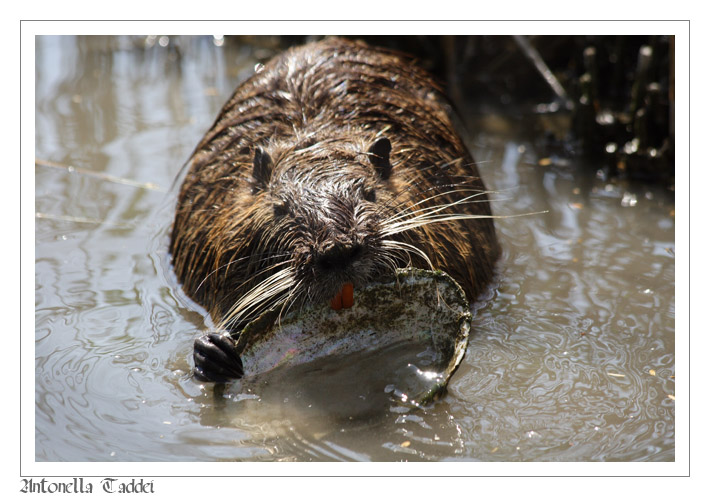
{"x": 333, "y": 164}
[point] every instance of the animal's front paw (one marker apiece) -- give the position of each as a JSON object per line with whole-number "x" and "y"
{"x": 216, "y": 359}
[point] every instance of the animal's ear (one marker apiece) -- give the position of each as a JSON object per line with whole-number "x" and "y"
{"x": 379, "y": 153}
{"x": 261, "y": 173}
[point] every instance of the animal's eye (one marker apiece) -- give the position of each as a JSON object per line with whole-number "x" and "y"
{"x": 280, "y": 209}
{"x": 369, "y": 195}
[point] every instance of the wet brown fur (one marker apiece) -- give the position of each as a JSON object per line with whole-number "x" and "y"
{"x": 316, "y": 110}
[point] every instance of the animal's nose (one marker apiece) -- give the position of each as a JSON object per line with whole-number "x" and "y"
{"x": 338, "y": 256}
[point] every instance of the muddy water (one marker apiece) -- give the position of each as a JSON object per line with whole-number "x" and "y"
{"x": 571, "y": 355}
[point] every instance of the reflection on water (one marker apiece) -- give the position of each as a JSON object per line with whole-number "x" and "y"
{"x": 571, "y": 356}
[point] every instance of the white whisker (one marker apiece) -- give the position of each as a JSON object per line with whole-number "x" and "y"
{"x": 409, "y": 219}
{"x": 290, "y": 300}
{"x": 260, "y": 296}
{"x": 426, "y": 213}
{"x": 409, "y": 212}
{"x": 250, "y": 278}
{"x": 406, "y": 247}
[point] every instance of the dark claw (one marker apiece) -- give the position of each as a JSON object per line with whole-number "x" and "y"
{"x": 216, "y": 359}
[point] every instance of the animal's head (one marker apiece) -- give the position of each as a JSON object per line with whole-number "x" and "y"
{"x": 326, "y": 203}
{"x": 315, "y": 221}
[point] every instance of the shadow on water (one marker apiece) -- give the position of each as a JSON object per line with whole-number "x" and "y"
{"x": 572, "y": 357}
